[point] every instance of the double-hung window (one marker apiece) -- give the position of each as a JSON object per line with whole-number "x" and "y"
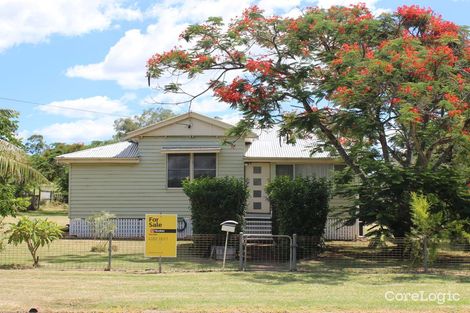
{"x": 204, "y": 165}
{"x": 190, "y": 165}
{"x": 285, "y": 170}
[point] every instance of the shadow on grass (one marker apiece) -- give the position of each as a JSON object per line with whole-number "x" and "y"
{"x": 14, "y": 266}
{"x": 443, "y": 276}
{"x": 44, "y": 213}
{"x": 134, "y": 262}
{"x": 272, "y": 278}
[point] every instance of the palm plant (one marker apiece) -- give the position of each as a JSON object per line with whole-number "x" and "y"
{"x": 14, "y": 165}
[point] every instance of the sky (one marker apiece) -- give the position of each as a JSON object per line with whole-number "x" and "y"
{"x": 70, "y": 68}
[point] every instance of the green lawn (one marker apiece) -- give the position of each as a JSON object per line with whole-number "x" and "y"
{"x": 326, "y": 291}
{"x": 53, "y": 211}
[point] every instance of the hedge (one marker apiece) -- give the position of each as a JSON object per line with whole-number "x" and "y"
{"x": 299, "y": 206}
{"x": 214, "y": 200}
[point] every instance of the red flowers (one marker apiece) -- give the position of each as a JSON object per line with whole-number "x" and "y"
{"x": 343, "y": 90}
{"x": 417, "y": 116}
{"x": 230, "y": 93}
{"x": 452, "y": 98}
{"x": 395, "y": 101}
{"x": 414, "y": 15}
{"x": 172, "y": 55}
{"x": 263, "y": 67}
{"x": 293, "y": 26}
{"x": 414, "y": 110}
{"x": 454, "y": 113}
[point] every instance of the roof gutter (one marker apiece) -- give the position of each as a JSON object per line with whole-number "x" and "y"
{"x": 98, "y": 160}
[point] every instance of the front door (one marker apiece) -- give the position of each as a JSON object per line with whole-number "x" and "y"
{"x": 258, "y": 176}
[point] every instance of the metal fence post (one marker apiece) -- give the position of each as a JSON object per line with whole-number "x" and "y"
{"x": 110, "y": 250}
{"x": 240, "y": 253}
{"x": 294, "y": 252}
{"x": 425, "y": 254}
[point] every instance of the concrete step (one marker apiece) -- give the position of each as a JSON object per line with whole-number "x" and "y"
{"x": 259, "y": 225}
{"x": 262, "y": 216}
{"x": 258, "y": 228}
{"x": 257, "y": 222}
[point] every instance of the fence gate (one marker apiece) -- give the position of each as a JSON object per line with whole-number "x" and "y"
{"x": 267, "y": 252}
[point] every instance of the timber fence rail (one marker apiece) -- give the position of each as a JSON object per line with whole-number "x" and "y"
{"x": 205, "y": 253}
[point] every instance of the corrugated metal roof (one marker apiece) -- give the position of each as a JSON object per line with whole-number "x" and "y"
{"x": 269, "y": 146}
{"x": 120, "y": 150}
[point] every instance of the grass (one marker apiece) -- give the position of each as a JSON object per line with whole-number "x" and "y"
{"x": 128, "y": 255}
{"x": 56, "y": 212}
{"x": 322, "y": 291}
{"x": 348, "y": 277}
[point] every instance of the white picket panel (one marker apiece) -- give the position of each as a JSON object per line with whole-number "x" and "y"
{"x": 125, "y": 228}
{"x": 134, "y": 228}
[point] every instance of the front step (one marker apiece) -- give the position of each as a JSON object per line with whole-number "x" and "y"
{"x": 258, "y": 224}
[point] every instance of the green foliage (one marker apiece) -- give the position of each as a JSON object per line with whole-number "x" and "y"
{"x": 426, "y": 231}
{"x": 148, "y": 117}
{"x": 458, "y": 232}
{"x": 383, "y": 200}
{"x": 299, "y": 206}
{"x": 9, "y": 126}
{"x": 36, "y": 144}
{"x": 2, "y": 234}
{"x": 44, "y": 161}
{"x": 35, "y": 233}
{"x": 383, "y": 92}
{"x": 15, "y": 168}
{"x": 214, "y": 200}
{"x": 101, "y": 224}
{"x": 10, "y": 204}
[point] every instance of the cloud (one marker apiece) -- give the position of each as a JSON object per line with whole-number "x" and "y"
{"x": 125, "y": 61}
{"x": 30, "y": 21}
{"x": 90, "y": 108}
{"x": 371, "y": 4}
{"x": 83, "y": 130}
{"x": 231, "y": 118}
{"x": 93, "y": 118}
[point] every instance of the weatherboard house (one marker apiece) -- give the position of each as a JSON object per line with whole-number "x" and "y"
{"x": 143, "y": 173}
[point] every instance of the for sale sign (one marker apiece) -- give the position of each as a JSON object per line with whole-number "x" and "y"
{"x": 160, "y": 235}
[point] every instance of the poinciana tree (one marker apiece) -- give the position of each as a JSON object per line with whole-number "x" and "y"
{"x": 388, "y": 94}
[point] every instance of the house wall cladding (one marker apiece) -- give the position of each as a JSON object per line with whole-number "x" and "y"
{"x": 133, "y": 190}
{"x": 134, "y": 228}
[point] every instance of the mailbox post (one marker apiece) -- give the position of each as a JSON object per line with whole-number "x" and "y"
{"x": 228, "y": 227}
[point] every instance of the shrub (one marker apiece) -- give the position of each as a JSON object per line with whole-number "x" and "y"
{"x": 36, "y": 233}
{"x": 299, "y": 206}
{"x": 426, "y": 231}
{"x": 214, "y": 200}
{"x": 101, "y": 225}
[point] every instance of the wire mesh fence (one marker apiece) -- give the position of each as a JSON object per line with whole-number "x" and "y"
{"x": 205, "y": 253}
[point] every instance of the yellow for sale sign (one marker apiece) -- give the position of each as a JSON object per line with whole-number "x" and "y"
{"x": 160, "y": 235}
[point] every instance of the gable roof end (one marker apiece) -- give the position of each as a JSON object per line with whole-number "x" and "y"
{"x": 176, "y": 119}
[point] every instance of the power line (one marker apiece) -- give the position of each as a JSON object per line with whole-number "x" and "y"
{"x": 58, "y": 106}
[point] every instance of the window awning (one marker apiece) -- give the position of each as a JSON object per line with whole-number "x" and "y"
{"x": 190, "y": 149}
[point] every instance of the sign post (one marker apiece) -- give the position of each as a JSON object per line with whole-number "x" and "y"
{"x": 228, "y": 227}
{"x": 160, "y": 236}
